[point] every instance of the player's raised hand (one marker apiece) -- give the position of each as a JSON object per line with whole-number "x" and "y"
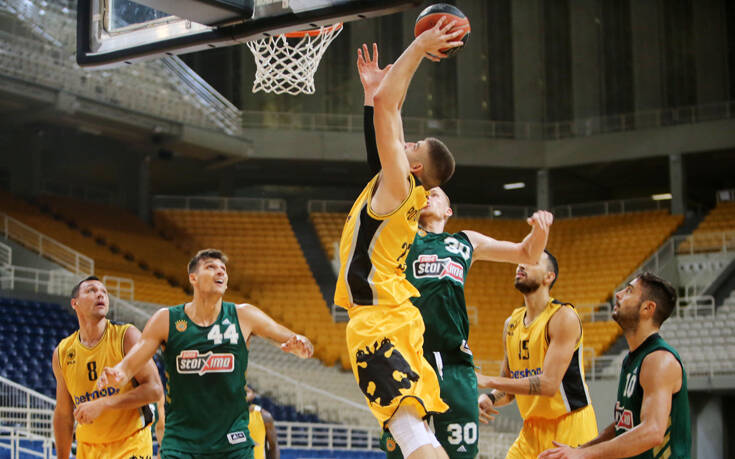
{"x": 298, "y": 345}
{"x": 439, "y": 37}
{"x": 370, "y": 73}
{"x": 111, "y": 376}
{"x": 542, "y": 220}
{"x": 487, "y": 409}
{"x": 562, "y": 451}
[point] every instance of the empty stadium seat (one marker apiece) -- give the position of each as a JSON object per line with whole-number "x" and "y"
{"x": 595, "y": 255}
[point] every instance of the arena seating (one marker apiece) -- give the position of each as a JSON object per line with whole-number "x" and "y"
{"x": 29, "y": 333}
{"x": 124, "y": 232}
{"x": 595, "y": 255}
{"x": 708, "y": 237}
{"x": 267, "y": 265}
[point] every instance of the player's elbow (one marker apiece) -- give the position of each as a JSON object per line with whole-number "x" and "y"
{"x": 655, "y": 434}
{"x": 383, "y": 100}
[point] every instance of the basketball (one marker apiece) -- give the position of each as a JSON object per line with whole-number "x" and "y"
{"x": 431, "y": 15}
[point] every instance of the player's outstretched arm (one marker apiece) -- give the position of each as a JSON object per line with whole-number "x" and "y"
{"x": 256, "y": 322}
{"x": 660, "y": 377}
{"x": 148, "y": 389}
{"x": 370, "y": 76}
{"x": 271, "y": 436}
{"x": 564, "y": 333}
{"x": 393, "y": 187}
{"x": 63, "y": 412}
{"x": 527, "y": 251}
{"x": 154, "y": 333}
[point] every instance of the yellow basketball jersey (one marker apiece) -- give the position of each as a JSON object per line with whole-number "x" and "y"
{"x": 257, "y": 432}
{"x": 526, "y": 348}
{"x": 80, "y": 367}
{"x": 373, "y": 250}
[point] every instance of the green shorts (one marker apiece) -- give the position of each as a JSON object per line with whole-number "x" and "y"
{"x": 244, "y": 453}
{"x": 457, "y": 430}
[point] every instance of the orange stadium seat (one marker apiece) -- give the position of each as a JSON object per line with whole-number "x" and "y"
{"x": 148, "y": 287}
{"x": 715, "y": 231}
{"x": 595, "y": 255}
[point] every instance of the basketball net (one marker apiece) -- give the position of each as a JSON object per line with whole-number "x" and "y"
{"x": 288, "y": 67}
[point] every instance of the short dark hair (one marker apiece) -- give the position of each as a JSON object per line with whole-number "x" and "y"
{"x": 554, "y": 267}
{"x": 660, "y": 291}
{"x": 206, "y": 254}
{"x": 75, "y": 290}
{"x": 442, "y": 163}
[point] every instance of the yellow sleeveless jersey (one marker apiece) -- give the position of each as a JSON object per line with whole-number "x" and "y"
{"x": 80, "y": 367}
{"x": 256, "y": 427}
{"x": 526, "y": 348}
{"x": 373, "y": 250}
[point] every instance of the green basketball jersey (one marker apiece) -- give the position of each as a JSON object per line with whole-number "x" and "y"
{"x": 206, "y": 409}
{"x": 678, "y": 439}
{"x": 437, "y": 266}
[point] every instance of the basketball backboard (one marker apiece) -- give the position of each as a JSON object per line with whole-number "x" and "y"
{"x": 114, "y": 32}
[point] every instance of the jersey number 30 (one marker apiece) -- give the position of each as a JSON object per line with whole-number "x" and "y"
{"x": 215, "y": 335}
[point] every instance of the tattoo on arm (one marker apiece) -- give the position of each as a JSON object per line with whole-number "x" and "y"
{"x": 534, "y": 385}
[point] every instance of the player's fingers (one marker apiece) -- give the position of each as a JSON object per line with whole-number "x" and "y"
{"x": 440, "y": 23}
{"x": 375, "y": 53}
{"x": 365, "y": 52}
{"x": 448, "y": 26}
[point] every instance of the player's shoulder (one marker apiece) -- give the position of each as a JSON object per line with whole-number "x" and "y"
{"x": 658, "y": 366}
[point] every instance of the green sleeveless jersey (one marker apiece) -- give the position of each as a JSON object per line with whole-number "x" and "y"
{"x": 678, "y": 439}
{"x": 437, "y": 266}
{"x": 206, "y": 409}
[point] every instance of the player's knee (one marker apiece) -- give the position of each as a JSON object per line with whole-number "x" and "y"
{"x": 410, "y": 431}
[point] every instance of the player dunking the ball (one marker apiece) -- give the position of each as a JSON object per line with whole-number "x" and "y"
{"x": 206, "y": 357}
{"x": 437, "y": 265}
{"x": 385, "y": 331}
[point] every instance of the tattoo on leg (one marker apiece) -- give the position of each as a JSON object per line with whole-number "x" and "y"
{"x": 534, "y": 385}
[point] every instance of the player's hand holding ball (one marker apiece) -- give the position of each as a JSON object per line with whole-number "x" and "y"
{"x": 445, "y": 22}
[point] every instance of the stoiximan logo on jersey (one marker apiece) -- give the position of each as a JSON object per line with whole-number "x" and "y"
{"x": 192, "y": 362}
{"x": 623, "y": 417}
{"x": 433, "y": 266}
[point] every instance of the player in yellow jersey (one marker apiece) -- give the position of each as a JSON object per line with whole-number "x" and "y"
{"x": 385, "y": 331}
{"x": 262, "y": 429}
{"x": 543, "y": 368}
{"x": 114, "y": 421}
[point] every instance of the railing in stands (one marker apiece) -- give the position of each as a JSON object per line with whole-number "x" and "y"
{"x": 16, "y": 442}
{"x": 499, "y": 129}
{"x": 326, "y": 436}
{"x": 46, "y": 246}
{"x": 695, "y": 307}
{"x": 601, "y": 312}
{"x": 52, "y": 282}
{"x": 25, "y": 409}
{"x": 300, "y": 388}
{"x": 121, "y": 287}
{"x": 219, "y": 203}
{"x": 6, "y": 254}
{"x": 325, "y": 205}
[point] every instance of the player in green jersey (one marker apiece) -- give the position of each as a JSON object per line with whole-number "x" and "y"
{"x": 652, "y": 410}
{"x": 205, "y": 350}
{"x": 437, "y": 265}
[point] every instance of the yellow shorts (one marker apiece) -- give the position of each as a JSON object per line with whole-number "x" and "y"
{"x": 386, "y": 352}
{"x": 572, "y": 429}
{"x": 137, "y": 446}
